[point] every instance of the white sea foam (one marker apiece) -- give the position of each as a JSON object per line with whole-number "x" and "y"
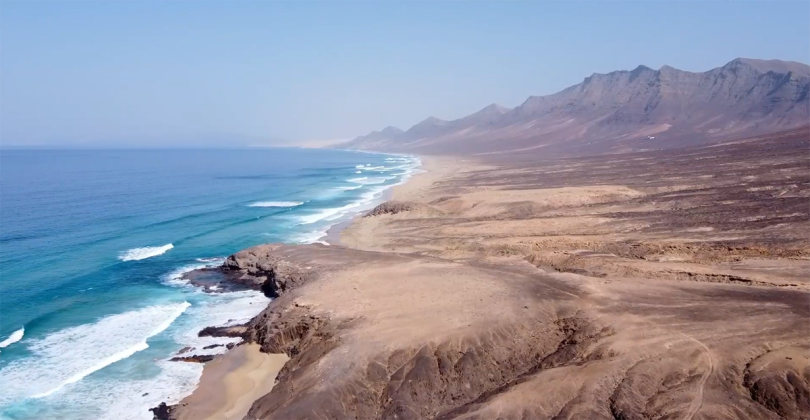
{"x": 13, "y": 338}
{"x": 175, "y": 277}
{"x": 136, "y": 254}
{"x": 130, "y": 397}
{"x": 276, "y": 204}
{"x": 359, "y": 172}
{"x": 311, "y": 236}
{"x": 354, "y": 187}
{"x": 69, "y": 355}
{"x": 395, "y": 168}
{"x": 219, "y": 310}
{"x": 211, "y": 260}
{"x": 366, "y": 200}
{"x": 371, "y": 180}
{"x": 323, "y": 214}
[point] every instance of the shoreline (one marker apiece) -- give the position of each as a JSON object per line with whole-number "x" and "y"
{"x": 482, "y": 291}
{"x": 334, "y": 233}
{"x": 218, "y": 394}
{"x": 230, "y": 383}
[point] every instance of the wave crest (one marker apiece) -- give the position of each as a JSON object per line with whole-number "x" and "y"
{"x": 136, "y": 254}
{"x": 276, "y": 204}
{"x": 13, "y": 338}
{"x": 66, "y": 356}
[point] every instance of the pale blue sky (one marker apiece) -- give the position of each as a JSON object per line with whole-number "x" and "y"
{"x": 194, "y": 73}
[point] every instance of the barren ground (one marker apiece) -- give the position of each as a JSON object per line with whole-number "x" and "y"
{"x": 658, "y": 285}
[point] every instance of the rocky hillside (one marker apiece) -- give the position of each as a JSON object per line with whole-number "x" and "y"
{"x": 623, "y": 111}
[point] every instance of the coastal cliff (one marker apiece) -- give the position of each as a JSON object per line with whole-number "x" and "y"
{"x": 486, "y": 350}
{"x": 519, "y": 292}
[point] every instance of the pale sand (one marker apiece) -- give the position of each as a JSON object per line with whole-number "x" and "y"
{"x": 590, "y": 288}
{"x": 231, "y": 383}
{"x": 435, "y": 169}
{"x": 366, "y": 233}
{"x": 416, "y": 188}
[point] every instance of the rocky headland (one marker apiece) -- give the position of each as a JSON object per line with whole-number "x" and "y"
{"x": 631, "y": 286}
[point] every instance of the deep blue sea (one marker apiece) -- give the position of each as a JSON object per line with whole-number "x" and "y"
{"x": 93, "y": 244}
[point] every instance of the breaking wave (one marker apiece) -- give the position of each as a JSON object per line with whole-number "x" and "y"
{"x": 276, "y": 204}
{"x": 13, "y": 338}
{"x": 67, "y": 356}
{"x": 136, "y": 254}
{"x": 349, "y": 188}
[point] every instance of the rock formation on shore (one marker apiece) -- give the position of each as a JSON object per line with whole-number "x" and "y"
{"x": 260, "y": 269}
{"x": 511, "y": 342}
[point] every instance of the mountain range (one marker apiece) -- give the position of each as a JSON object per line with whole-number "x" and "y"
{"x": 622, "y": 111}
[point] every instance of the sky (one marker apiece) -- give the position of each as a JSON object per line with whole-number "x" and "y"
{"x": 183, "y": 73}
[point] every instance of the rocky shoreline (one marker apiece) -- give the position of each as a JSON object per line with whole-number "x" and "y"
{"x": 520, "y": 292}
{"x": 258, "y": 268}
{"x": 450, "y": 378}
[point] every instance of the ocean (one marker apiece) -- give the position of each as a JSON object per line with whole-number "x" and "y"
{"x": 93, "y": 245}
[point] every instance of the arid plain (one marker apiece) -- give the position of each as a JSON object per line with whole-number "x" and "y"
{"x": 662, "y": 284}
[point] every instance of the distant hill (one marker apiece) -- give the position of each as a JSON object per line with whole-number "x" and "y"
{"x": 622, "y": 111}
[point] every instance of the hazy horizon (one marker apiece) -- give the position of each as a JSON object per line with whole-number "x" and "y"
{"x": 126, "y": 74}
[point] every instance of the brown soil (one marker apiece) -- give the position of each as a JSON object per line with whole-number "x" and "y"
{"x": 657, "y": 285}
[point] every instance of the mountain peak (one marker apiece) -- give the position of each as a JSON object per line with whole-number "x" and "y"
{"x": 621, "y": 107}
{"x": 493, "y": 109}
{"x": 391, "y": 130}
{"x": 432, "y": 121}
{"x": 765, "y": 66}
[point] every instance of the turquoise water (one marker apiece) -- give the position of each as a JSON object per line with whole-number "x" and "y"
{"x": 93, "y": 245}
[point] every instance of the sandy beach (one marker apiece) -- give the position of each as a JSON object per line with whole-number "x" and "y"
{"x": 603, "y": 287}
{"x": 230, "y": 383}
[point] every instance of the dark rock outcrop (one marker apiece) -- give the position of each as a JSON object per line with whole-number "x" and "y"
{"x": 237, "y": 331}
{"x": 391, "y": 207}
{"x": 779, "y": 380}
{"x": 259, "y": 268}
{"x": 162, "y": 412}
{"x": 394, "y": 207}
{"x": 197, "y": 358}
{"x": 213, "y": 346}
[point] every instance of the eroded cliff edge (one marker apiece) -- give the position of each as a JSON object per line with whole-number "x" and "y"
{"x": 393, "y": 336}
{"x": 629, "y": 286}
